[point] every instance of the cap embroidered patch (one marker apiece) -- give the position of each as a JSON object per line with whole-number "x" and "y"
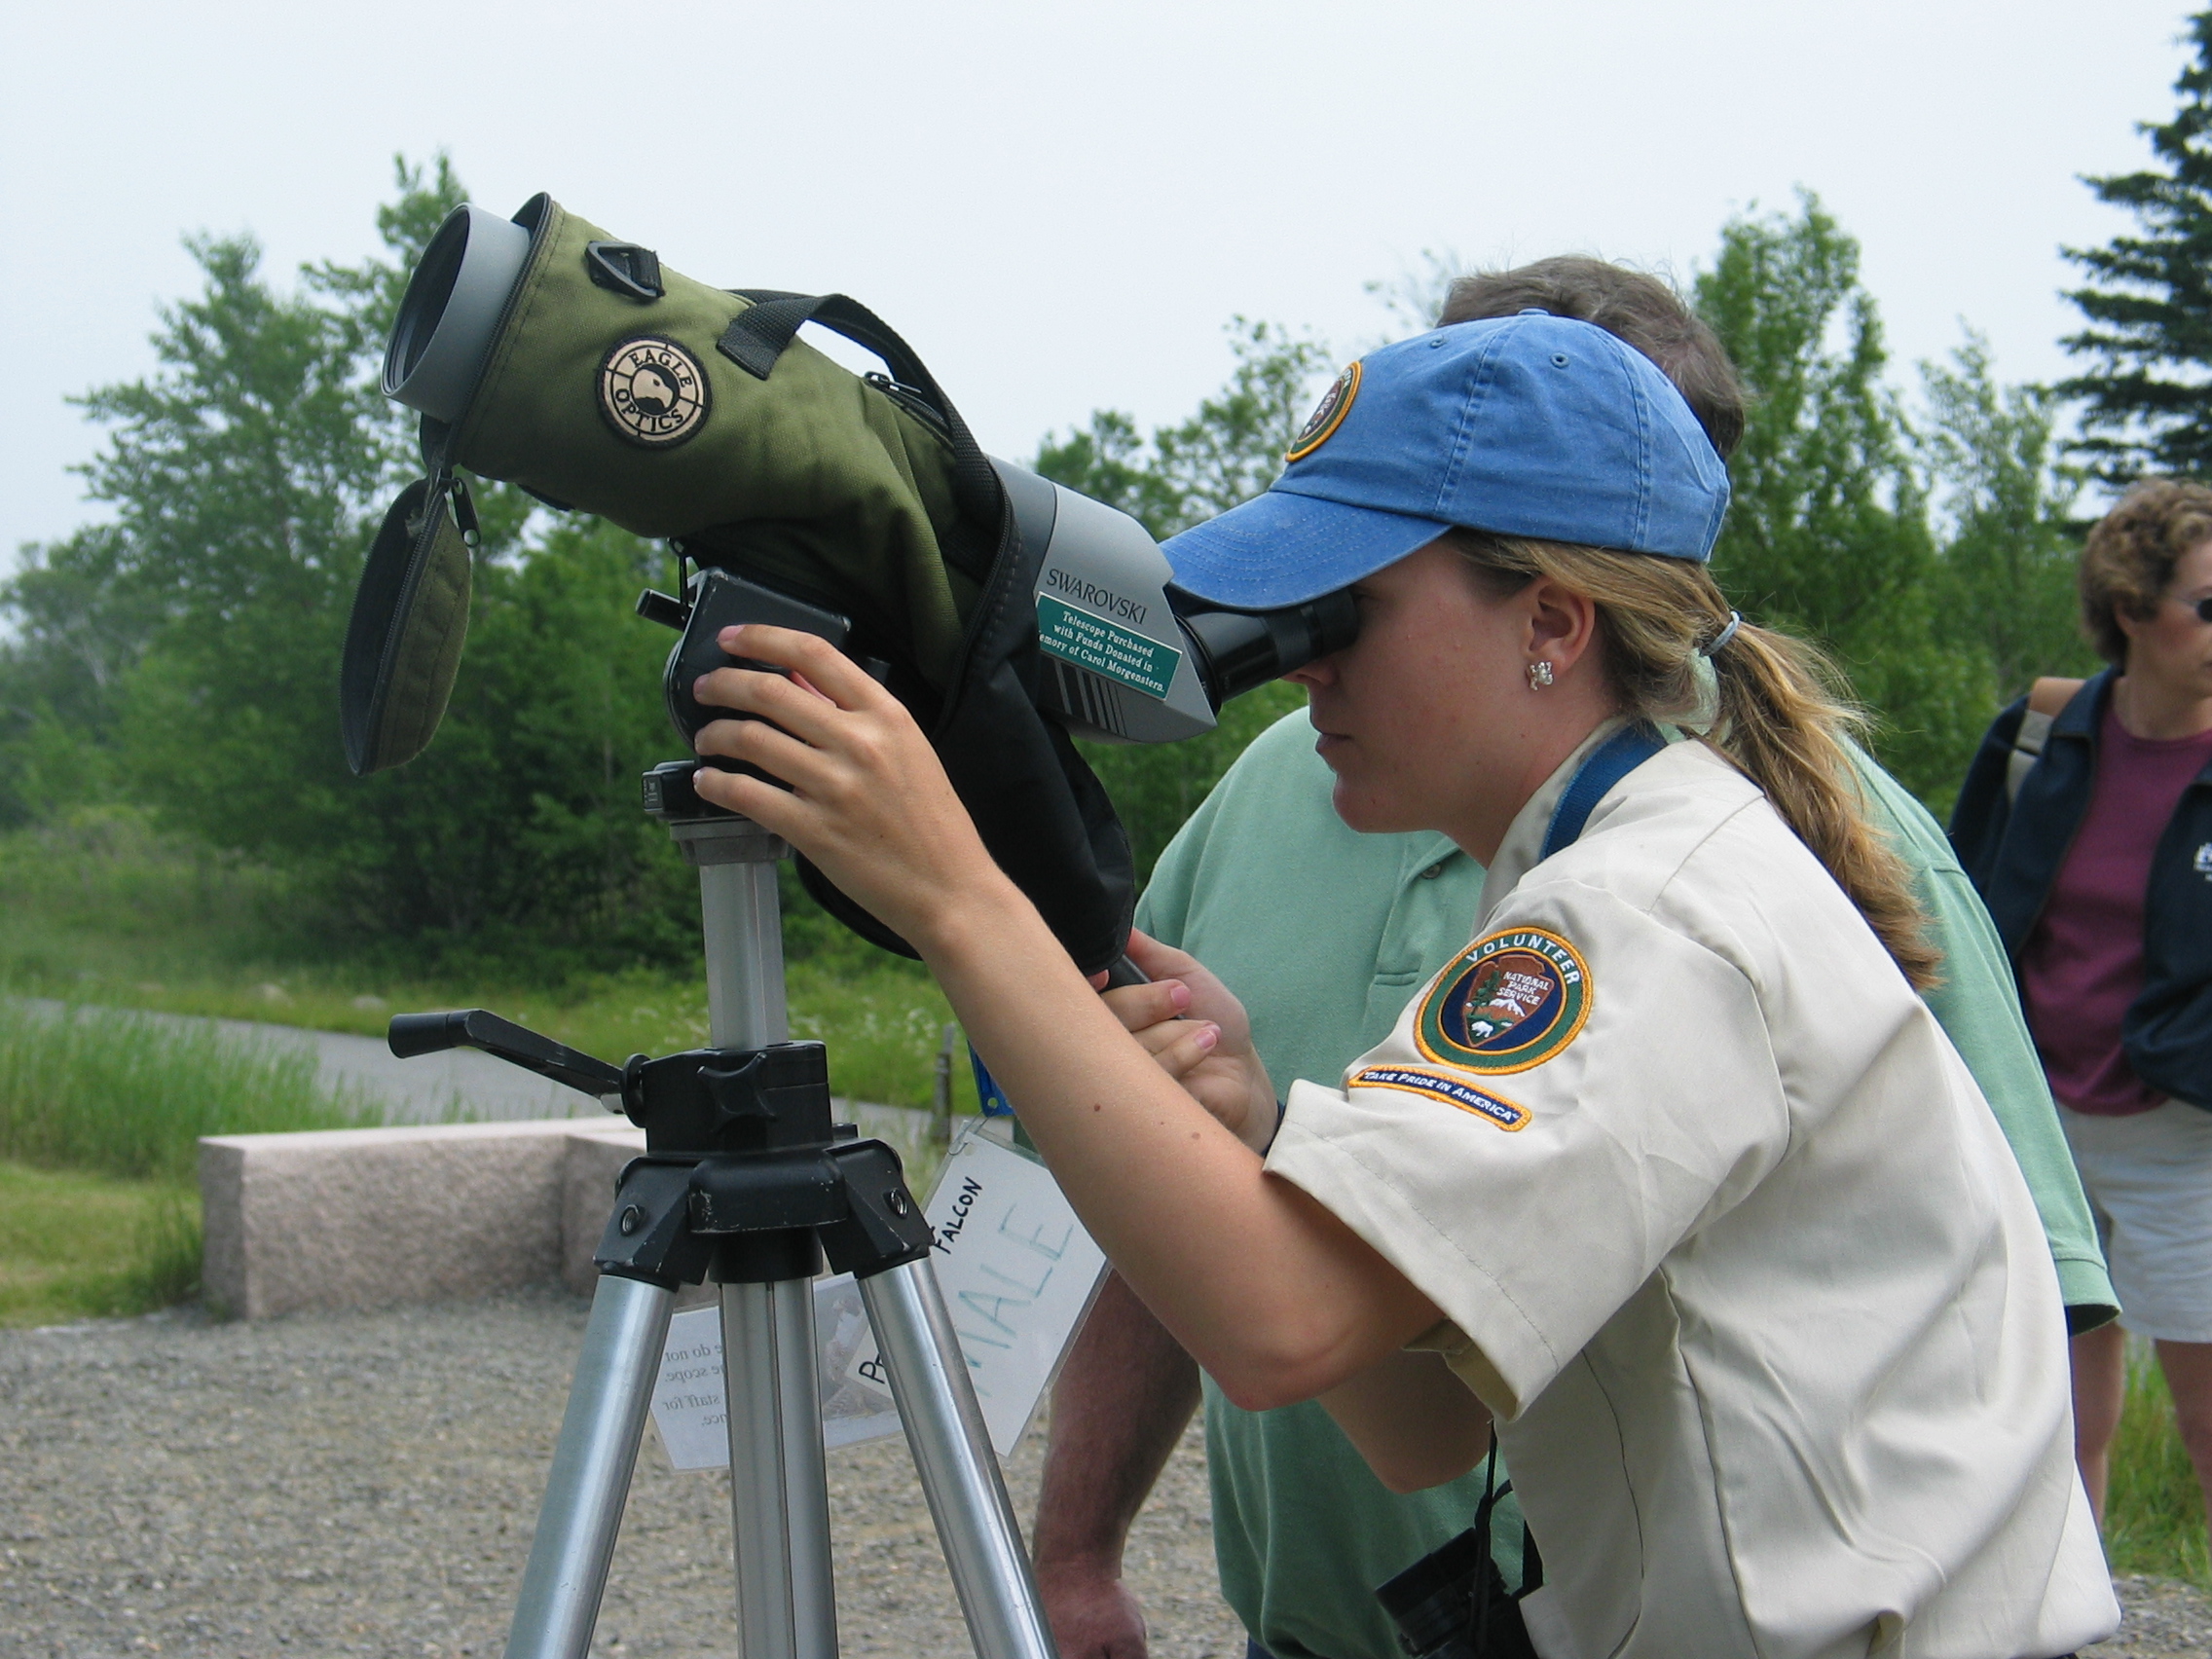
{"x": 1512, "y": 1001}
{"x": 653, "y": 391}
{"x": 1442, "y": 1086}
{"x": 1327, "y": 415}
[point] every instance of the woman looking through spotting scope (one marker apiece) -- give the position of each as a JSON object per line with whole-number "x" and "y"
{"x": 1615, "y": 1180}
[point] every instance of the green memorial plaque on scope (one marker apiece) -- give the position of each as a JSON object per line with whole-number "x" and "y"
{"x": 1104, "y": 647}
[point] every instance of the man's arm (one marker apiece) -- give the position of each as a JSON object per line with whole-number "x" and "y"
{"x": 1122, "y": 1399}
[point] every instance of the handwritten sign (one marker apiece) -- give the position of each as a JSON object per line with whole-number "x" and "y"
{"x": 1017, "y": 1272}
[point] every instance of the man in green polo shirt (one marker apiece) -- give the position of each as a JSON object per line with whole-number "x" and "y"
{"x": 1323, "y": 933}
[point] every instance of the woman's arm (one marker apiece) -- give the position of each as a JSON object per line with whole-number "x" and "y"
{"x": 1275, "y": 1296}
{"x": 1416, "y": 1423}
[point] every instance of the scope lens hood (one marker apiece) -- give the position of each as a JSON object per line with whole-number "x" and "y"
{"x": 452, "y": 310}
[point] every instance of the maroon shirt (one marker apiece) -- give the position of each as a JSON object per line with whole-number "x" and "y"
{"x": 2084, "y": 963}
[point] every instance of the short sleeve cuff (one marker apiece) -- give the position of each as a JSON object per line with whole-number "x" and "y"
{"x": 1505, "y": 1359}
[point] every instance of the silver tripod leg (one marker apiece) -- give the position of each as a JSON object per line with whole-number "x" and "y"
{"x": 959, "y": 1473}
{"x": 590, "y": 1481}
{"x": 779, "y": 1491}
{"x": 779, "y": 1499}
{"x": 787, "y": 1598}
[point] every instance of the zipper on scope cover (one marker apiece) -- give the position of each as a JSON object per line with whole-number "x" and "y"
{"x": 909, "y": 399}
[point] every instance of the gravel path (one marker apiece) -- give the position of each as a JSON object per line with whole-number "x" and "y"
{"x": 366, "y": 1483}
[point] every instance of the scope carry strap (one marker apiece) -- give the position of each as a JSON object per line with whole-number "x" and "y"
{"x": 757, "y": 336}
{"x": 1046, "y": 818}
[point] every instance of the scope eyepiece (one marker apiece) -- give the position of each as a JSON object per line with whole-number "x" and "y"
{"x": 1239, "y": 650}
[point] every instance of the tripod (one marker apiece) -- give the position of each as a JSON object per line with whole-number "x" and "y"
{"x": 747, "y": 1183}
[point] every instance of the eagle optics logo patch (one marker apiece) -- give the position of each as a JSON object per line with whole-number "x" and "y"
{"x": 1327, "y": 415}
{"x": 1443, "y": 1085}
{"x": 653, "y": 391}
{"x": 1513, "y": 1000}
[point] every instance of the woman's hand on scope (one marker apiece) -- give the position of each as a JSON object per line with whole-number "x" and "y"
{"x": 1189, "y": 1022}
{"x": 868, "y": 801}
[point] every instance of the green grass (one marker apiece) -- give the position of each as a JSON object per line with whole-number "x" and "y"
{"x": 75, "y": 1245}
{"x": 100, "y": 1116}
{"x": 101, "y": 1110}
{"x": 120, "y": 1094}
{"x": 2153, "y": 1508}
{"x": 102, "y": 911}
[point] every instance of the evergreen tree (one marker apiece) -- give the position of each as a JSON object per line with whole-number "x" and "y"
{"x": 2147, "y": 396}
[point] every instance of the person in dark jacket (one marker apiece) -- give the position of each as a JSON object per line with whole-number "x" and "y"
{"x": 2095, "y": 861}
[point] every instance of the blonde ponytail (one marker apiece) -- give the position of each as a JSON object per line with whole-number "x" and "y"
{"x": 1779, "y": 718}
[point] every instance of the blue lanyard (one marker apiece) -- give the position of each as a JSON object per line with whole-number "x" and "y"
{"x": 1607, "y": 764}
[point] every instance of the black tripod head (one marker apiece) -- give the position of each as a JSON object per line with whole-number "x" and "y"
{"x": 746, "y": 1176}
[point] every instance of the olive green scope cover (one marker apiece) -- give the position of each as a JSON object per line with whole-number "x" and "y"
{"x": 403, "y": 639}
{"x": 783, "y": 466}
{"x": 808, "y": 476}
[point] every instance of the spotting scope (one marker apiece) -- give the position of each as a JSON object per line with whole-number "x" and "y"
{"x": 1004, "y": 610}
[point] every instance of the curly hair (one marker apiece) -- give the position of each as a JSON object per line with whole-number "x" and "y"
{"x": 2128, "y": 561}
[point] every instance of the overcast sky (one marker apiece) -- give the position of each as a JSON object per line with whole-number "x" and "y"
{"x": 1059, "y": 204}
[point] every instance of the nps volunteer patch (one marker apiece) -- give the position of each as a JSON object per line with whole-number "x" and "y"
{"x": 1327, "y": 415}
{"x": 1442, "y": 1086}
{"x": 1511, "y": 1001}
{"x": 653, "y": 391}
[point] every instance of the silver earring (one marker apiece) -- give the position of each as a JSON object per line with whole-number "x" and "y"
{"x": 1539, "y": 673}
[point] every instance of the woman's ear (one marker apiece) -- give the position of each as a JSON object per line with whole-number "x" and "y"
{"x": 1563, "y": 624}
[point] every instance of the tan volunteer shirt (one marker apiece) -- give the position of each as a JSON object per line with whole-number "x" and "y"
{"x": 1741, "y": 1261}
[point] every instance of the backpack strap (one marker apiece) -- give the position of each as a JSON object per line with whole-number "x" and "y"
{"x": 2047, "y": 699}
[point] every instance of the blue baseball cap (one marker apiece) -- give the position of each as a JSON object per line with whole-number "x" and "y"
{"x": 1534, "y": 426}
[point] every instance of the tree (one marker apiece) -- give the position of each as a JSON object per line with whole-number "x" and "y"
{"x": 2006, "y": 587}
{"x": 192, "y": 646}
{"x": 1227, "y": 452}
{"x": 240, "y": 476}
{"x": 1828, "y": 534}
{"x": 2147, "y": 396}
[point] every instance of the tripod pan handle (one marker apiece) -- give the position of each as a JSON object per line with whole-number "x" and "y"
{"x": 413, "y": 1034}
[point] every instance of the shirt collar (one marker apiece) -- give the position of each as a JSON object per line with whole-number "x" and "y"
{"x": 1521, "y": 850}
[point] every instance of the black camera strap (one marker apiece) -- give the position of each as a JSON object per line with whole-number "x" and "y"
{"x": 1531, "y": 1568}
